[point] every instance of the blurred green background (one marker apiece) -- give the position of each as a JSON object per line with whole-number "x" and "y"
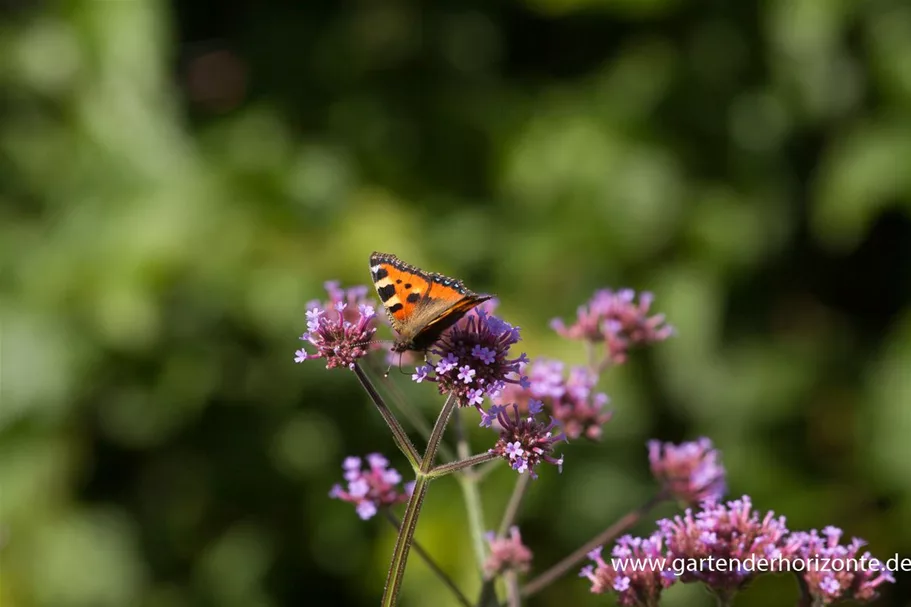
{"x": 177, "y": 180}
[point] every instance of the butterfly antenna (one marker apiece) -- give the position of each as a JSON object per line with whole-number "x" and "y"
{"x": 372, "y": 342}
{"x": 379, "y": 341}
{"x": 400, "y": 364}
{"x": 389, "y": 368}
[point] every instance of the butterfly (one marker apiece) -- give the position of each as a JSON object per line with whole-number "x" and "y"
{"x": 420, "y": 305}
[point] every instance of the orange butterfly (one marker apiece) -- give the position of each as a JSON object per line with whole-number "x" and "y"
{"x": 421, "y": 305}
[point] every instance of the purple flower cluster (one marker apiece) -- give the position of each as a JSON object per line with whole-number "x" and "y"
{"x": 844, "y": 576}
{"x": 571, "y": 400}
{"x": 633, "y": 580}
{"x": 618, "y": 320}
{"x": 340, "y": 329}
{"x": 524, "y": 442}
{"x": 702, "y": 547}
{"x": 473, "y": 359}
{"x": 732, "y": 532}
{"x": 507, "y": 554}
{"x": 372, "y": 488}
{"x": 472, "y": 362}
{"x": 689, "y": 472}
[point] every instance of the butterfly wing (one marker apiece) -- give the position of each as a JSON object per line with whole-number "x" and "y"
{"x": 420, "y": 305}
{"x": 433, "y": 315}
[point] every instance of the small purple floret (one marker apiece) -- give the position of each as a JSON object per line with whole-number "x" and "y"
{"x": 849, "y": 574}
{"x": 473, "y": 360}
{"x": 616, "y": 320}
{"x": 525, "y": 442}
{"x": 690, "y": 472}
{"x": 571, "y": 399}
{"x": 372, "y": 488}
{"x": 507, "y": 554}
{"x": 738, "y": 534}
{"x": 637, "y": 581}
{"x": 340, "y": 329}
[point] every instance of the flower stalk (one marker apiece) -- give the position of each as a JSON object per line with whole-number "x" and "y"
{"x": 398, "y": 432}
{"x": 413, "y": 510}
{"x": 558, "y": 570}
{"x": 805, "y": 599}
{"x": 468, "y": 482}
{"x": 513, "y": 597}
{"x": 403, "y": 542}
{"x": 412, "y": 416}
{"x": 512, "y": 508}
{"x": 428, "y": 560}
{"x": 461, "y": 465}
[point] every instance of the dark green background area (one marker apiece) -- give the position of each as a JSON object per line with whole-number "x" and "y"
{"x": 178, "y": 180}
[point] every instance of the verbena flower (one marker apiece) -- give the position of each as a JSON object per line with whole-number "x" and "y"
{"x": 372, "y": 488}
{"x": 572, "y": 400}
{"x": 507, "y": 553}
{"x": 618, "y": 320}
{"x": 473, "y": 360}
{"x": 633, "y": 572}
{"x": 524, "y": 442}
{"x": 340, "y": 329}
{"x": 690, "y": 472}
{"x": 836, "y": 572}
{"x": 732, "y": 532}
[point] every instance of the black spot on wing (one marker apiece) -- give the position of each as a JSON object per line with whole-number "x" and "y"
{"x": 407, "y": 285}
{"x": 380, "y": 274}
{"x": 413, "y": 297}
{"x": 386, "y": 292}
{"x": 396, "y": 308}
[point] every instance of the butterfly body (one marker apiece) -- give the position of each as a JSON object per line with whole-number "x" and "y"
{"x": 420, "y": 305}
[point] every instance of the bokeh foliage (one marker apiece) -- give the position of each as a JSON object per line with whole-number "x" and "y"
{"x": 177, "y": 180}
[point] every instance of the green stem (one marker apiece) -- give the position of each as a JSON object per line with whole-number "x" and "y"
{"x": 413, "y": 510}
{"x": 469, "y": 483}
{"x": 436, "y": 435}
{"x": 403, "y": 542}
{"x": 590, "y": 355}
{"x": 461, "y": 598}
{"x": 414, "y": 417}
{"x": 806, "y": 599}
{"x": 558, "y": 570}
{"x": 513, "y": 598}
{"x": 488, "y": 595}
{"x": 512, "y": 508}
{"x": 475, "y": 512}
{"x": 462, "y": 464}
{"x": 398, "y": 433}
{"x": 484, "y": 471}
